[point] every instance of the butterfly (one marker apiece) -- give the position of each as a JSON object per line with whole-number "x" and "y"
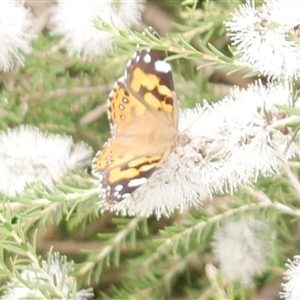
{"x": 143, "y": 115}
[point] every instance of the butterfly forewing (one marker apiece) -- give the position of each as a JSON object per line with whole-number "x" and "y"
{"x": 149, "y": 79}
{"x": 142, "y": 110}
{"x": 123, "y": 107}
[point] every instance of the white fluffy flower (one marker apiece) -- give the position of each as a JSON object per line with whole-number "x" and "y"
{"x": 241, "y": 248}
{"x": 54, "y": 274}
{"x": 75, "y": 20}
{"x": 267, "y": 38}
{"x": 291, "y": 288}
{"x": 15, "y": 37}
{"x": 232, "y": 143}
{"x": 28, "y": 155}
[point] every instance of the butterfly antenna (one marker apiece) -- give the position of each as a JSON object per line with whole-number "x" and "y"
{"x": 198, "y": 117}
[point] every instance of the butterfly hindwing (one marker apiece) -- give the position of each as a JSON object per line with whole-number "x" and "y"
{"x": 120, "y": 173}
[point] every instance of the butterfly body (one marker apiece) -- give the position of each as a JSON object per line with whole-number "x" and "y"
{"x": 143, "y": 114}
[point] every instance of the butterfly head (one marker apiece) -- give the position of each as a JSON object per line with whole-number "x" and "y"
{"x": 182, "y": 139}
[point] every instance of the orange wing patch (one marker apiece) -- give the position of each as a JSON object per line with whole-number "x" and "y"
{"x": 122, "y": 105}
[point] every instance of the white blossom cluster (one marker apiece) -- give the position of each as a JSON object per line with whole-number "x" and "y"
{"x": 267, "y": 37}
{"x": 15, "y": 36}
{"x": 72, "y": 19}
{"x": 54, "y": 273}
{"x": 28, "y": 155}
{"x": 243, "y": 243}
{"x": 75, "y": 20}
{"x": 232, "y": 143}
{"x": 291, "y": 287}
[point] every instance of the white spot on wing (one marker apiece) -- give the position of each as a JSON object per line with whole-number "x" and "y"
{"x": 147, "y": 58}
{"x": 110, "y": 95}
{"x": 125, "y": 195}
{"x": 119, "y": 187}
{"x": 162, "y": 66}
{"x": 113, "y": 129}
{"x": 109, "y": 115}
{"x": 137, "y": 182}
